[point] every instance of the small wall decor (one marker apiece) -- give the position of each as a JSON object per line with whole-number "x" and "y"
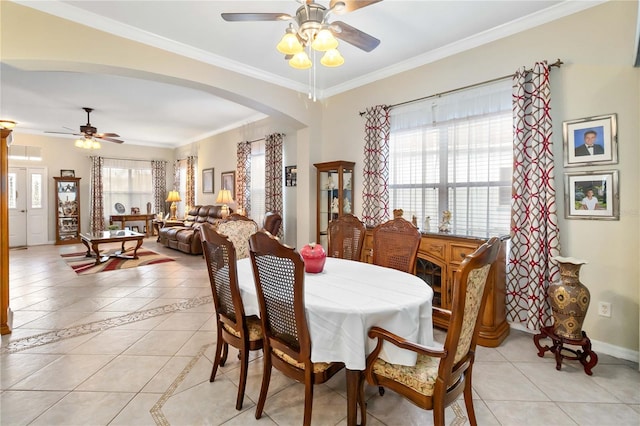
{"x": 135, "y": 210}
{"x": 228, "y": 181}
{"x": 590, "y": 141}
{"x": 207, "y": 180}
{"x": 592, "y": 195}
{"x": 67, "y": 173}
{"x": 291, "y": 176}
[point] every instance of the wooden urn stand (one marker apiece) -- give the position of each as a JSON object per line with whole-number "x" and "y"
{"x": 588, "y": 358}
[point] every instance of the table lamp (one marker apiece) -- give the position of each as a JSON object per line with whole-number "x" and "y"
{"x": 224, "y": 197}
{"x": 173, "y": 198}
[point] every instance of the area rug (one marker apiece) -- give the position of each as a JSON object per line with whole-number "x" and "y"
{"x": 83, "y": 265}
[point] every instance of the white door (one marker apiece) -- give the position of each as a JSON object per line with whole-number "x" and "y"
{"x": 17, "y": 207}
{"x": 27, "y": 206}
{"x": 37, "y": 220}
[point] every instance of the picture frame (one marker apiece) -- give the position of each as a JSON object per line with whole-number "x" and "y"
{"x": 228, "y": 181}
{"x": 291, "y": 176}
{"x": 599, "y": 131}
{"x": 207, "y": 181}
{"x": 67, "y": 173}
{"x": 603, "y": 204}
{"x": 135, "y": 210}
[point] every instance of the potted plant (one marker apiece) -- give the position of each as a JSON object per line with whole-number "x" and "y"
{"x": 113, "y": 229}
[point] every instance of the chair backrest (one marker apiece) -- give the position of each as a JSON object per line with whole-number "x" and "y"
{"x": 220, "y": 256}
{"x": 395, "y": 244}
{"x": 272, "y": 222}
{"x": 469, "y": 297}
{"x": 278, "y": 272}
{"x": 346, "y": 237}
{"x": 239, "y": 229}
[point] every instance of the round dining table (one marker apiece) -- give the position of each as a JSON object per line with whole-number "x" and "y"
{"x": 343, "y": 302}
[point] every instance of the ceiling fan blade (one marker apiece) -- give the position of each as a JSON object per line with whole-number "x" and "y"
{"x": 354, "y": 36}
{"x": 64, "y": 133}
{"x": 102, "y": 135}
{"x": 351, "y": 5}
{"x": 108, "y": 139}
{"x": 240, "y": 17}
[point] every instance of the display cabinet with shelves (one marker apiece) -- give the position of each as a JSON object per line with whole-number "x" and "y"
{"x": 334, "y": 194}
{"x": 67, "y": 190}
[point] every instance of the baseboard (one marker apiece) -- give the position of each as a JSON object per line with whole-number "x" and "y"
{"x": 597, "y": 346}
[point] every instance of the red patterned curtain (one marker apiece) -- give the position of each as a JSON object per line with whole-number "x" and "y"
{"x": 243, "y": 177}
{"x": 375, "y": 192}
{"x": 96, "y": 199}
{"x": 190, "y": 196}
{"x": 273, "y": 174}
{"x": 534, "y": 221}
{"x": 159, "y": 177}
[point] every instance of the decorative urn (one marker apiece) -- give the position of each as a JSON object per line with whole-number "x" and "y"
{"x": 569, "y": 299}
{"x": 314, "y": 257}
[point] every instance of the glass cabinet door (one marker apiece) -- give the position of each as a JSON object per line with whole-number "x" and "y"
{"x": 67, "y": 210}
{"x": 335, "y": 194}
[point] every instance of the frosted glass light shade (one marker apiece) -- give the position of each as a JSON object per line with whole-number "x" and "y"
{"x": 289, "y": 44}
{"x": 332, "y": 58}
{"x": 324, "y": 41}
{"x": 300, "y": 61}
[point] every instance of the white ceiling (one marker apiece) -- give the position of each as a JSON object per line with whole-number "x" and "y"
{"x": 412, "y": 33}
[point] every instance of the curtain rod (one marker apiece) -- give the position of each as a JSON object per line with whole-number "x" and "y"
{"x": 125, "y": 159}
{"x": 264, "y": 139}
{"x": 558, "y": 63}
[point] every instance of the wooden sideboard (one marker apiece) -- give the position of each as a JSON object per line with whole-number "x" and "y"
{"x": 439, "y": 257}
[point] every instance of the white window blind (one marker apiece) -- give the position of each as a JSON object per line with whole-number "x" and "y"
{"x": 127, "y": 182}
{"x": 257, "y": 181}
{"x": 455, "y": 153}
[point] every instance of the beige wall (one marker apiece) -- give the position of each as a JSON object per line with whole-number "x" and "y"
{"x": 596, "y": 45}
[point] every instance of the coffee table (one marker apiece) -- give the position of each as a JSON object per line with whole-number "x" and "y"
{"x": 92, "y": 242}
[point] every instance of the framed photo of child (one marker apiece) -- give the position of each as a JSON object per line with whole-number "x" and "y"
{"x": 592, "y": 195}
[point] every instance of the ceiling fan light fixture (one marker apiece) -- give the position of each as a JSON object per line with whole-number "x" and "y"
{"x": 300, "y": 61}
{"x": 289, "y": 44}
{"x": 324, "y": 41}
{"x": 7, "y": 124}
{"x": 332, "y": 58}
{"x": 95, "y": 145}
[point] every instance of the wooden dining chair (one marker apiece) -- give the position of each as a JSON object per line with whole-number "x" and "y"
{"x": 346, "y": 237}
{"x": 395, "y": 245}
{"x": 440, "y": 376}
{"x": 272, "y": 222}
{"x": 238, "y": 228}
{"x": 233, "y": 326}
{"x": 279, "y": 276}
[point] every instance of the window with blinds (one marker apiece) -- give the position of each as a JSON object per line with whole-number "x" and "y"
{"x": 127, "y": 182}
{"x": 455, "y": 153}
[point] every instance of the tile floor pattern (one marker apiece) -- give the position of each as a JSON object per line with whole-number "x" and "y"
{"x": 135, "y": 347}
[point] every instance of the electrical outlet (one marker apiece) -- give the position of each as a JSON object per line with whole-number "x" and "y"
{"x": 604, "y": 309}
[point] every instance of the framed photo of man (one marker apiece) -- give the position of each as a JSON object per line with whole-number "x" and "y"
{"x": 590, "y": 141}
{"x": 592, "y": 195}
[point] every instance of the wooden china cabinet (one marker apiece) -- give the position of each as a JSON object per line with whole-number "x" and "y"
{"x": 439, "y": 257}
{"x": 335, "y": 195}
{"x": 67, "y": 190}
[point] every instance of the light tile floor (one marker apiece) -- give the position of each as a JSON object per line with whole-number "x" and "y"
{"x": 135, "y": 347}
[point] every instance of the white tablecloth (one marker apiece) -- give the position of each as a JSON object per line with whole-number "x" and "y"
{"x": 346, "y": 299}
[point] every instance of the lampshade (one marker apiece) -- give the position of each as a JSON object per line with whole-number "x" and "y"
{"x": 300, "y": 61}
{"x": 173, "y": 196}
{"x": 87, "y": 143}
{"x": 7, "y": 124}
{"x": 324, "y": 41}
{"x": 224, "y": 197}
{"x": 332, "y": 58}
{"x": 289, "y": 44}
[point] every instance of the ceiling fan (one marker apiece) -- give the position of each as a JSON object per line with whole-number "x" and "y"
{"x": 311, "y": 18}
{"x": 89, "y": 132}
